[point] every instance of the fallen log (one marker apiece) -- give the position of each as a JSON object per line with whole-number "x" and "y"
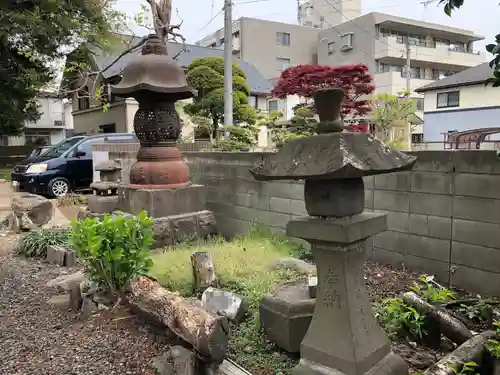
{"x": 203, "y": 270}
{"x": 205, "y": 330}
{"x": 471, "y": 350}
{"x": 449, "y": 326}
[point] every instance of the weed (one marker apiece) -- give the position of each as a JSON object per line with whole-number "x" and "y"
{"x": 114, "y": 249}
{"x": 479, "y": 311}
{"x": 399, "y": 319}
{"x": 427, "y": 289}
{"x": 35, "y": 243}
{"x": 71, "y": 200}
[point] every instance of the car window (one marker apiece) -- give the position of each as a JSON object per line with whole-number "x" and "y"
{"x": 87, "y": 145}
{"x": 62, "y": 147}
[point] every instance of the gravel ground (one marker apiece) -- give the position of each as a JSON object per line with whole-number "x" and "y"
{"x": 38, "y": 338}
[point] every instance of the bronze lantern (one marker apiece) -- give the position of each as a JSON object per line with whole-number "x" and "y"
{"x": 156, "y": 81}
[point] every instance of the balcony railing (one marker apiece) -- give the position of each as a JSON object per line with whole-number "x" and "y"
{"x": 433, "y": 44}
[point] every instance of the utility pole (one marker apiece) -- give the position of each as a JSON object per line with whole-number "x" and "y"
{"x": 408, "y": 66}
{"x": 228, "y": 66}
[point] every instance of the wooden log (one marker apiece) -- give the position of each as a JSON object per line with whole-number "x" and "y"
{"x": 449, "y": 326}
{"x": 228, "y": 367}
{"x": 205, "y": 330}
{"x": 472, "y": 350}
{"x": 203, "y": 270}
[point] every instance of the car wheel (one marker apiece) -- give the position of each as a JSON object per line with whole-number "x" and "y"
{"x": 58, "y": 187}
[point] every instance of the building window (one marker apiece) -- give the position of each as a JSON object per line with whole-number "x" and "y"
{"x": 417, "y": 138}
{"x": 419, "y": 103}
{"x": 83, "y": 98}
{"x": 448, "y": 99}
{"x": 331, "y": 48}
{"x": 283, "y": 39}
{"x": 36, "y": 137}
{"x": 282, "y": 64}
{"x": 414, "y": 73}
{"x": 272, "y": 105}
{"x": 252, "y": 101}
{"x": 346, "y": 42}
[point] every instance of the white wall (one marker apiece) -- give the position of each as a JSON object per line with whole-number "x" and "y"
{"x": 51, "y": 110}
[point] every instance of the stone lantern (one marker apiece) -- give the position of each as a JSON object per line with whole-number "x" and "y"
{"x": 343, "y": 337}
{"x": 159, "y": 179}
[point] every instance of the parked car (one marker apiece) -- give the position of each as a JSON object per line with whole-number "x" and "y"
{"x": 64, "y": 167}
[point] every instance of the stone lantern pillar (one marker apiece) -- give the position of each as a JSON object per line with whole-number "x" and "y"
{"x": 343, "y": 337}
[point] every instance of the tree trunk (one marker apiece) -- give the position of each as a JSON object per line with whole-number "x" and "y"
{"x": 206, "y": 331}
{"x": 203, "y": 270}
{"x": 470, "y": 351}
{"x": 451, "y": 327}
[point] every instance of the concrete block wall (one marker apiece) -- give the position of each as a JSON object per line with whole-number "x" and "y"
{"x": 443, "y": 216}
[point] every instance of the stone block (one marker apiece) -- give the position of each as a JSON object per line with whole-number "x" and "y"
{"x": 294, "y": 264}
{"x": 478, "y": 209}
{"x": 477, "y": 185}
{"x": 63, "y": 283}
{"x": 226, "y": 303}
{"x": 342, "y": 230}
{"x": 431, "y": 204}
{"x": 474, "y": 280}
{"x": 399, "y": 181}
{"x": 102, "y": 204}
{"x": 431, "y": 182}
{"x": 162, "y": 202}
{"x": 70, "y": 258}
{"x": 56, "y": 255}
{"x": 390, "y": 240}
{"x": 286, "y": 314}
{"x": 391, "y": 201}
{"x": 477, "y": 233}
{"x": 479, "y": 257}
{"x": 430, "y": 226}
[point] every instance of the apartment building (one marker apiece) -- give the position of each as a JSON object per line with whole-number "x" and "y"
{"x": 269, "y": 46}
{"x": 324, "y": 14}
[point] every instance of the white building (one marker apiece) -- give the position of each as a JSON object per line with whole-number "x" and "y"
{"x": 54, "y": 124}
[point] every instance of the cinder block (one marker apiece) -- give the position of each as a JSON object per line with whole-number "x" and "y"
{"x": 477, "y": 185}
{"x": 389, "y": 240}
{"x": 474, "y": 280}
{"x": 399, "y": 181}
{"x": 478, "y": 209}
{"x": 480, "y": 257}
{"x": 431, "y": 204}
{"x": 476, "y": 233}
{"x": 431, "y": 182}
{"x": 391, "y": 201}
{"x": 430, "y": 226}
{"x": 427, "y": 247}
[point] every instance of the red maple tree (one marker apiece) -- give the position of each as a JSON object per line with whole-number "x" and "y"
{"x": 305, "y": 80}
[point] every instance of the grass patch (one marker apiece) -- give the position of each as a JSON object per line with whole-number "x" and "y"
{"x": 242, "y": 266}
{"x": 5, "y": 173}
{"x": 35, "y": 243}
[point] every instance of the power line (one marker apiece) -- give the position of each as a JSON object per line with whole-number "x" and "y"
{"x": 210, "y": 21}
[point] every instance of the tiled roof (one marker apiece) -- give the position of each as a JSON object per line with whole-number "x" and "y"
{"x": 257, "y": 83}
{"x": 471, "y": 76}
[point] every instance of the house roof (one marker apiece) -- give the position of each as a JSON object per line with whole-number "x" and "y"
{"x": 257, "y": 83}
{"x": 467, "y": 77}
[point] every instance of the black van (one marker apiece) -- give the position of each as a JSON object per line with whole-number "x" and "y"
{"x": 64, "y": 167}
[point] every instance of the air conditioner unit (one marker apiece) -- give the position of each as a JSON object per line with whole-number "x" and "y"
{"x": 58, "y": 123}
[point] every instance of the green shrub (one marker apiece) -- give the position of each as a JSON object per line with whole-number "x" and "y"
{"x": 433, "y": 294}
{"x": 399, "y": 319}
{"x": 35, "y": 243}
{"x": 114, "y": 250}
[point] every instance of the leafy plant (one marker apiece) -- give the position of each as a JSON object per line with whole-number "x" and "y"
{"x": 480, "y": 310}
{"x": 114, "y": 250}
{"x": 399, "y": 319}
{"x": 35, "y": 243}
{"x": 427, "y": 289}
{"x": 493, "y": 346}
{"x": 468, "y": 368}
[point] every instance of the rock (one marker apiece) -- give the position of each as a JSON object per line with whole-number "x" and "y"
{"x": 75, "y": 297}
{"x": 61, "y": 301}
{"x": 296, "y": 265}
{"x": 38, "y": 209}
{"x": 228, "y": 304}
{"x": 162, "y": 366}
{"x": 64, "y": 283}
{"x": 56, "y": 255}
{"x": 88, "y": 307}
{"x": 287, "y": 313}
{"x": 14, "y": 223}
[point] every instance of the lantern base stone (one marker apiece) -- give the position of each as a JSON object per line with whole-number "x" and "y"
{"x": 343, "y": 338}
{"x": 162, "y": 202}
{"x": 103, "y": 204}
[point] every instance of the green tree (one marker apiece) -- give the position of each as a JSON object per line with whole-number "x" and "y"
{"x": 302, "y": 124}
{"x": 33, "y": 35}
{"x": 206, "y": 74}
{"x": 493, "y": 48}
{"x": 391, "y": 110}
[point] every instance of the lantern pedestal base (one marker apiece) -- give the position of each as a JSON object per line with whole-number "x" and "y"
{"x": 160, "y": 202}
{"x": 343, "y": 338}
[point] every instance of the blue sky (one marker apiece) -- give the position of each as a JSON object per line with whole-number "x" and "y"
{"x": 482, "y": 19}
